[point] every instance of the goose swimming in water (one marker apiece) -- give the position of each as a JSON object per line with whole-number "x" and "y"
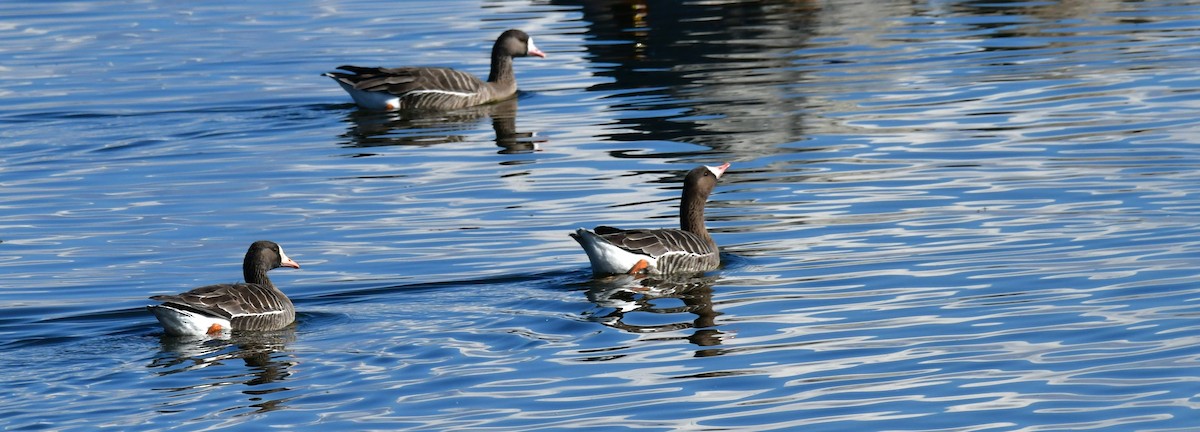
{"x": 689, "y": 249}
{"x": 253, "y": 305}
{"x": 436, "y": 88}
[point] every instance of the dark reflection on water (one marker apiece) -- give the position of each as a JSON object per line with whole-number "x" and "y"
{"x": 708, "y": 73}
{"x": 377, "y": 129}
{"x": 624, "y": 300}
{"x": 264, "y": 355}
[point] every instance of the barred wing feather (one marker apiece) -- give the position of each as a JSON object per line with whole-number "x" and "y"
{"x": 675, "y": 250}
{"x": 400, "y": 81}
{"x": 247, "y": 306}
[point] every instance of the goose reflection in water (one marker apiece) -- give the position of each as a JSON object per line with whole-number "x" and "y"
{"x": 378, "y": 129}
{"x": 624, "y": 297}
{"x": 263, "y": 354}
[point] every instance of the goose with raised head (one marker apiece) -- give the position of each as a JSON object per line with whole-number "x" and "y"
{"x": 689, "y": 249}
{"x": 437, "y": 88}
{"x": 254, "y": 305}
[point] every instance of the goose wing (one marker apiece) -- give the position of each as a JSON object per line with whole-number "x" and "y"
{"x": 228, "y": 300}
{"x": 656, "y": 242}
{"x": 404, "y": 80}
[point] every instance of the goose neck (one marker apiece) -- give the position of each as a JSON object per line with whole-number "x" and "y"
{"x": 502, "y": 69}
{"x": 691, "y": 214}
{"x": 254, "y": 274}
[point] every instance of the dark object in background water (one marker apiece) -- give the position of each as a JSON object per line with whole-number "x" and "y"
{"x": 433, "y": 88}
{"x": 689, "y": 249}
{"x": 213, "y": 309}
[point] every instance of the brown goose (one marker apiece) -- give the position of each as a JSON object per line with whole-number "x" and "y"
{"x": 433, "y": 88}
{"x": 254, "y": 305}
{"x": 689, "y": 249}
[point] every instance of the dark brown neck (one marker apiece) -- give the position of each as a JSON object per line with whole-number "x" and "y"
{"x": 256, "y": 275}
{"x": 502, "y": 71}
{"x": 691, "y": 213}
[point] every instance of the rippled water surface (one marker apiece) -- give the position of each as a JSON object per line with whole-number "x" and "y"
{"x": 941, "y": 216}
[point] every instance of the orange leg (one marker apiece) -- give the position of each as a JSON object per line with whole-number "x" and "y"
{"x": 641, "y": 266}
{"x": 214, "y": 329}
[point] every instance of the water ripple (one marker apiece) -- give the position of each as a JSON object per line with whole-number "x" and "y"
{"x": 942, "y": 216}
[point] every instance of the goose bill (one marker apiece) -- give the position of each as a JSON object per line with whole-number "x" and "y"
{"x": 284, "y": 261}
{"x": 718, "y": 170}
{"x": 534, "y": 51}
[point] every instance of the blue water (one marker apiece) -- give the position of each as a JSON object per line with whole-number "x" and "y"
{"x": 941, "y": 216}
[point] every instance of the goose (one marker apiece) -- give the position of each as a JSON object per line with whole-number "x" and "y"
{"x": 689, "y": 249}
{"x": 253, "y": 305}
{"x": 437, "y": 88}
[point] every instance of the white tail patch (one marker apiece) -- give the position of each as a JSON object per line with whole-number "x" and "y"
{"x": 377, "y": 101}
{"x": 179, "y": 322}
{"x": 607, "y": 258}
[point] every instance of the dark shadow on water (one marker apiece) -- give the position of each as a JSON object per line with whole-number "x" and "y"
{"x": 368, "y": 129}
{"x": 263, "y": 354}
{"x": 41, "y": 326}
{"x": 622, "y": 300}
{"x": 373, "y": 293}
